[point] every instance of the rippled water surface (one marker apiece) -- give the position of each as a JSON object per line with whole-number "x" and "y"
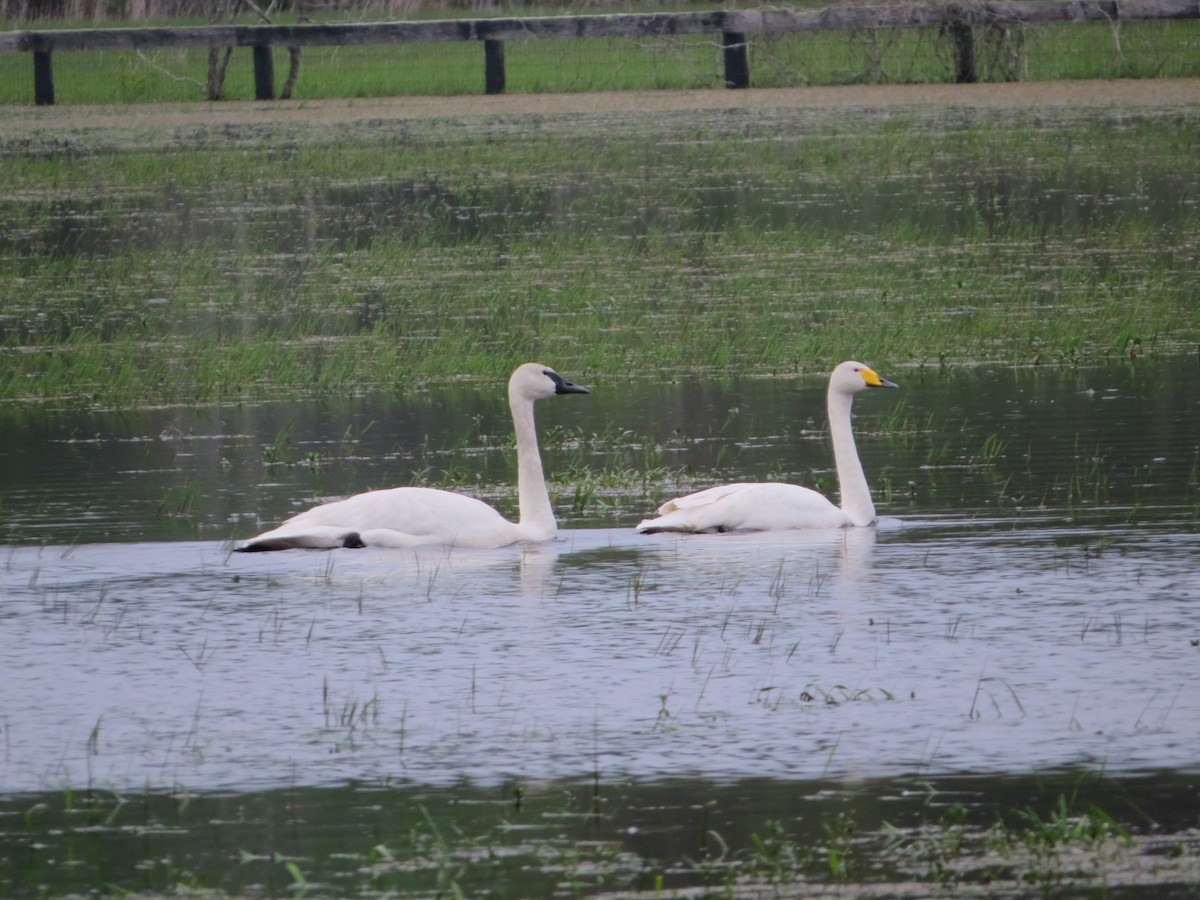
{"x": 1028, "y": 601}
{"x": 930, "y": 646}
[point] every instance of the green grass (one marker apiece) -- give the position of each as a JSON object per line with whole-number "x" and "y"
{"x": 1094, "y": 50}
{"x": 158, "y": 264}
{"x": 1007, "y": 836}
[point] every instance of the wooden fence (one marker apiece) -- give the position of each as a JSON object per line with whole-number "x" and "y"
{"x": 731, "y": 26}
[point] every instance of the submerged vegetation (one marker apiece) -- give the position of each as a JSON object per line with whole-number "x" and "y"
{"x": 164, "y": 264}
{"x": 381, "y": 840}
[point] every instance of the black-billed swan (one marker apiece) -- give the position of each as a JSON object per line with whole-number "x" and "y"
{"x": 415, "y": 516}
{"x": 769, "y": 506}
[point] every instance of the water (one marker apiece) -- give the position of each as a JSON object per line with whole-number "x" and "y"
{"x": 946, "y": 646}
{"x": 1025, "y": 602}
{"x": 1117, "y": 442}
{"x": 1045, "y": 195}
{"x": 1026, "y": 606}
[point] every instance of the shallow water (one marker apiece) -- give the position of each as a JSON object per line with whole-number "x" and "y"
{"x": 1027, "y": 602}
{"x": 598, "y": 837}
{"x": 928, "y": 647}
{"x": 608, "y": 707}
{"x": 1120, "y": 442}
{"x": 278, "y": 217}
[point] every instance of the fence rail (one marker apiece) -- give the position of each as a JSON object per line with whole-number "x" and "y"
{"x": 732, "y": 26}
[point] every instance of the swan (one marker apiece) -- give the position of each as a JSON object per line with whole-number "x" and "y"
{"x": 417, "y": 516}
{"x": 772, "y": 506}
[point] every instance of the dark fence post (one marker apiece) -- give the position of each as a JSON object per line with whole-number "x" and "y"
{"x": 493, "y": 66}
{"x": 964, "y": 53}
{"x": 737, "y": 68}
{"x": 43, "y": 78}
{"x": 264, "y": 73}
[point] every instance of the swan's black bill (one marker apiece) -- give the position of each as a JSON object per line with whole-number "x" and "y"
{"x": 562, "y": 386}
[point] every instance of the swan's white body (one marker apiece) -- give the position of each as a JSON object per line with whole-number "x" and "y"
{"x": 768, "y": 506}
{"x": 414, "y": 516}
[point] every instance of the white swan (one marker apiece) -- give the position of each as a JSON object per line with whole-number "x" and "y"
{"x": 768, "y": 506}
{"x": 415, "y": 516}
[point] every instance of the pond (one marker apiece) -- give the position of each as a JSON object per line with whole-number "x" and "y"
{"x": 1026, "y": 605}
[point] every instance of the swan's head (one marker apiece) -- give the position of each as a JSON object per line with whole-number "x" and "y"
{"x": 534, "y": 381}
{"x": 851, "y": 377}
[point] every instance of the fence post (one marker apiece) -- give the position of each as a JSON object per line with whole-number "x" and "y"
{"x": 493, "y": 66}
{"x": 737, "y": 68}
{"x": 964, "y": 53}
{"x": 264, "y": 73}
{"x": 43, "y": 78}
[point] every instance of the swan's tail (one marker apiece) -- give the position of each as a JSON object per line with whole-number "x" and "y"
{"x": 318, "y": 539}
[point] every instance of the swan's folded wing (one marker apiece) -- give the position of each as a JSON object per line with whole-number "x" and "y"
{"x": 395, "y": 517}
{"x": 703, "y": 499}
{"x": 718, "y": 508}
{"x": 748, "y": 506}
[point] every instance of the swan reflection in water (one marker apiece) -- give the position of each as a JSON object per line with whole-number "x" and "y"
{"x": 741, "y": 561}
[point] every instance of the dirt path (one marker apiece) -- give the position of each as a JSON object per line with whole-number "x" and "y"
{"x": 1133, "y": 94}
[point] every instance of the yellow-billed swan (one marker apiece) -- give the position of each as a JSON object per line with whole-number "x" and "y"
{"x": 415, "y": 516}
{"x": 768, "y": 506}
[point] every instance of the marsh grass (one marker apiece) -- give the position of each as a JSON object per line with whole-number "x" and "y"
{"x": 378, "y": 840}
{"x": 260, "y": 261}
{"x": 840, "y": 693}
{"x": 1068, "y": 844}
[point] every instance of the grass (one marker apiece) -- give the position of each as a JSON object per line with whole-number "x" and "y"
{"x": 148, "y": 269}
{"x": 521, "y": 839}
{"x": 152, "y": 264}
{"x": 1094, "y": 50}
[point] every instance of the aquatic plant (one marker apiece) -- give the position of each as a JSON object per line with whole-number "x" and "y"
{"x": 774, "y": 856}
{"x": 1063, "y": 826}
{"x": 839, "y": 693}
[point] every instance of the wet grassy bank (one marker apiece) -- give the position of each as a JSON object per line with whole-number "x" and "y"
{"x": 176, "y": 261}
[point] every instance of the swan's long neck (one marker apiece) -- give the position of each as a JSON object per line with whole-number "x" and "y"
{"x": 537, "y": 516}
{"x": 856, "y": 495}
